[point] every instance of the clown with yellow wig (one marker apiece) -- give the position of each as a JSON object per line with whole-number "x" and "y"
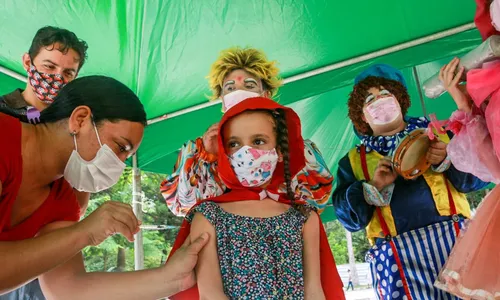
{"x": 238, "y": 74}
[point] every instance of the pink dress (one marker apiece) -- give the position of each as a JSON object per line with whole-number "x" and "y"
{"x": 482, "y": 85}
{"x": 471, "y": 149}
{"x": 473, "y": 268}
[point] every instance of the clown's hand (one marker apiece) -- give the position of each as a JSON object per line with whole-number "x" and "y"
{"x": 210, "y": 139}
{"x": 437, "y": 152}
{"x": 384, "y": 174}
{"x": 451, "y": 75}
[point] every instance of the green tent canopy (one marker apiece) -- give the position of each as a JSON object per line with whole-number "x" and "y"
{"x": 163, "y": 49}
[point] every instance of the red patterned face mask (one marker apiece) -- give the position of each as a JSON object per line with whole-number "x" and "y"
{"x": 45, "y": 86}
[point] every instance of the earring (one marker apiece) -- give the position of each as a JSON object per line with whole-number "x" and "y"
{"x": 73, "y": 133}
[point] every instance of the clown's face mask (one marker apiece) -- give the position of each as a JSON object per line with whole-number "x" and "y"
{"x": 240, "y": 85}
{"x": 382, "y": 112}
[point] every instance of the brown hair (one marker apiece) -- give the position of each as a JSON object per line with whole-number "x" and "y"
{"x": 48, "y": 36}
{"x": 360, "y": 92}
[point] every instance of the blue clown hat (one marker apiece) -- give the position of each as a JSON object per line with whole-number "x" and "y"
{"x": 382, "y": 70}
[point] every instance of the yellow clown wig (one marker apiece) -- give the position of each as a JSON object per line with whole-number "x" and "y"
{"x": 250, "y": 60}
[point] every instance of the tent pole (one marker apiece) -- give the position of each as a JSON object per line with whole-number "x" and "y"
{"x": 13, "y": 74}
{"x": 419, "y": 88}
{"x": 137, "y": 205}
{"x": 335, "y": 66}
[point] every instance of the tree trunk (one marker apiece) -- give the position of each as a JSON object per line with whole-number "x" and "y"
{"x": 105, "y": 262}
{"x": 121, "y": 262}
{"x": 352, "y": 259}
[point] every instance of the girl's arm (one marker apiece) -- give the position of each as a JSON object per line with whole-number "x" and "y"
{"x": 311, "y": 258}
{"x": 207, "y": 270}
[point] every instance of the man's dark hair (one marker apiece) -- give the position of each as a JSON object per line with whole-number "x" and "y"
{"x": 49, "y": 35}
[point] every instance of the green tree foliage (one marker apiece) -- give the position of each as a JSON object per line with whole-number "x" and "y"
{"x": 475, "y": 198}
{"x": 157, "y": 244}
{"x": 337, "y": 240}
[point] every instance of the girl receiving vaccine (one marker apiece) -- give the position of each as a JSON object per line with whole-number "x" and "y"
{"x": 264, "y": 244}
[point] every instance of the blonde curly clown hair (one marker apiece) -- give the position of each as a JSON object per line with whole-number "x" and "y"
{"x": 250, "y": 60}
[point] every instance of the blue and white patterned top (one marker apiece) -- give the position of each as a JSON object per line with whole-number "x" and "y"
{"x": 386, "y": 145}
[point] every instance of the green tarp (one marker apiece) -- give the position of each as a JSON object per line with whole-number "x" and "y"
{"x": 163, "y": 51}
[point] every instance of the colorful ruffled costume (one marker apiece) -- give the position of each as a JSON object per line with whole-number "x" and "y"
{"x": 330, "y": 279}
{"x": 195, "y": 179}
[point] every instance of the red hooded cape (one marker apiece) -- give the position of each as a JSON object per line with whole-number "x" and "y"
{"x": 330, "y": 279}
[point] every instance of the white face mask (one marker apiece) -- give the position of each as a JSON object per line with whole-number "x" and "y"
{"x": 254, "y": 167}
{"x": 96, "y": 175}
{"x": 236, "y": 97}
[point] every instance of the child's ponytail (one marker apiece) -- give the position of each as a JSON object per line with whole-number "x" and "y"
{"x": 283, "y": 146}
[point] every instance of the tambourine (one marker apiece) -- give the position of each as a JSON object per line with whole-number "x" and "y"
{"x": 410, "y": 158}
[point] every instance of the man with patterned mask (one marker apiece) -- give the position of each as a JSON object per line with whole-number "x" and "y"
{"x": 55, "y": 57}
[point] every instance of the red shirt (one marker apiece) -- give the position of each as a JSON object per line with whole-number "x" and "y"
{"x": 60, "y": 205}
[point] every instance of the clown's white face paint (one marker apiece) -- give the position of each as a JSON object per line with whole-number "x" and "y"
{"x": 238, "y": 86}
{"x": 241, "y": 80}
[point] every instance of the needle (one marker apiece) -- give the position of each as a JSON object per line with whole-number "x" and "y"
{"x": 157, "y": 227}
